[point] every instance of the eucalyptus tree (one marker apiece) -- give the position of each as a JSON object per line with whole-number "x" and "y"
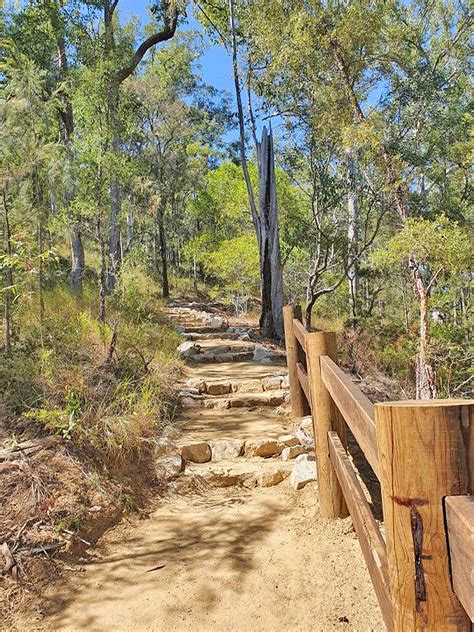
{"x": 181, "y": 120}
{"x": 31, "y": 170}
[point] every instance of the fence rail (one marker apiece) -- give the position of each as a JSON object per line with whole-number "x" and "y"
{"x": 423, "y": 455}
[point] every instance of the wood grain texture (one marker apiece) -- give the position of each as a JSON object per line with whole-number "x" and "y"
{"x": 294, "y": 354}
{"x": 304, "y": 381}
{"x": 460, "y": 521}
{"x": 300, "y": 333}
{"x": 425, "y": 453}
{"x": 355, "y": 407}
{"x": 370, "y": 538}
{"x": 326, "y": 417}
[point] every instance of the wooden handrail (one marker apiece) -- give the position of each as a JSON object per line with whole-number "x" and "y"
{"x": 300, "y": 333}
{"x": 368, "y": 532}
{"x": 355, "y": 407}
{"x": 303, "y": 380}
{"x": 460, "y": 522}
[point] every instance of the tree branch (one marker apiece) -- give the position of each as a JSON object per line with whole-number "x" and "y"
{"x": 168, "y": 31}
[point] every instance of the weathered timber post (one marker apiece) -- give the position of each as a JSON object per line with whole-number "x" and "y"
{"x": 294, "y": 354}
{"x": 424, "y": 456}
{"x": 326, "y": 417}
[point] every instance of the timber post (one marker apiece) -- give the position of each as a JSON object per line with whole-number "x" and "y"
{"x": 425, "y": 452}
{"x": 326, "y": 418}
{"x": 294, "y": 354}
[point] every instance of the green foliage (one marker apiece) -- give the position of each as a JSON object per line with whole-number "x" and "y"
{"x": 235, "y": 265}
{"x": 441, "y": 244}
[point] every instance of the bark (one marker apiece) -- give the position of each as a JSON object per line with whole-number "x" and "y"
{"x": 77, "y": 260}
{"x": 102, "y": 275}
{"x": 163, "y": 252}
{"x": 425, "y": 374}
{"x": 8, "y": 277}
{"x": 352, "y": 239}
{"x": 271, "y": 269}
{"x": 195, "y": 277}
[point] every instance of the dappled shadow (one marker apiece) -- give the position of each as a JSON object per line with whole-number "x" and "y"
{"x": 205, "y": 542}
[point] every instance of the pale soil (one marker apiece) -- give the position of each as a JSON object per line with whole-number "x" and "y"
{"x": 231, "y": 559}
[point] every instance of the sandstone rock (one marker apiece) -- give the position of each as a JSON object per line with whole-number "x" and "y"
{"x": 303, "y": 472}
{"x": 191, "y": 402}
{"x": 292, "y": 452}
{"x": 218, "y": 388}
{"x": 196, "y": 452}
{"x": 244, "y": 337}
{"x": 263, "y": 447}
{"x": 288, "y": 440}
{"x": 305, "y": 432}
{"x": 188, "y": 391}
{"x": 169, "y": 466}
{"x": 224, "y": 357}
{"x": 226, "y": 449}
{"x": 247, "y": 386}
{"x": 213, "y": 321}
{"x": 198, "y": 383}
{"x": 216, "y": 404}
{"x": 188, "y": 348}
{"x": 285, "y": 383}
{"x": 272, "y": 476}
{"x": 271, "y": 383}
{"x": 261, "y": 353}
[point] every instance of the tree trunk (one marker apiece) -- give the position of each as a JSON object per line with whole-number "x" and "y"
{"x": 8, "y": 278}
{"x": 195, "y": 277}
{"x": 352, "y": 238}
{"x": 271, "y": 269}
{"x": 162, "y": 238}
{"x": 77, "y": 260}
{"x": 425, "y": 374}
{"x": 103, "y": 274}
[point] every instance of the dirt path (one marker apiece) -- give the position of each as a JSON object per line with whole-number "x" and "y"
{"x": 228, "y": 548}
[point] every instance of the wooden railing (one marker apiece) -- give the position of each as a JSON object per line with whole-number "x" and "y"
{"x": 422, "y": 452}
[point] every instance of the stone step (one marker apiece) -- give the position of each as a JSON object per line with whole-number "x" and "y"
{"x": 210, "y": 358}
{"x": 202, "y": 329}
{"x": 234, "y": 400}
{"x": 242, "y": 473}
{"x": 278, "y": 381}
{"x": 224, "y": 335}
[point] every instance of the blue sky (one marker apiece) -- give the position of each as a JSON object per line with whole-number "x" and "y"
{"x": 216, "y": 63}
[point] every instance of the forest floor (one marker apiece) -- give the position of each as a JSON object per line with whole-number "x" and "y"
{"x": 231, "y": 545}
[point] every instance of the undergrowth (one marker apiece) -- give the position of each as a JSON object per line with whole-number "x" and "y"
{"x": 105, "y": 388}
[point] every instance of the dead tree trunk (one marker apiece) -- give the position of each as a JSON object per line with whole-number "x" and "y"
{"x": 265, "y": 219}
{"x": 271, "y": 269}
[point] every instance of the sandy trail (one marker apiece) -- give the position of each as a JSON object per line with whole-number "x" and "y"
{"x": 230, "y": 558}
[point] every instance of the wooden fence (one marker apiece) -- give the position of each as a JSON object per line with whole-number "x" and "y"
{"x": 422, "y": 452}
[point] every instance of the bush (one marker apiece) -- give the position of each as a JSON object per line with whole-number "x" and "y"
{"x": 66, "y": 377}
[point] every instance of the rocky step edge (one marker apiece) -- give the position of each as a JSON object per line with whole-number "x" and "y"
{"x": 193, "y": 353}
{"x": 267, "y": 461}
{"x": 268, "y": 391}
